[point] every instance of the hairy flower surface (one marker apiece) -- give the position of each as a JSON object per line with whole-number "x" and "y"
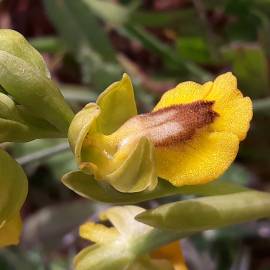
{"x": 191, "y": 136}
{"x": 120, "y": 241}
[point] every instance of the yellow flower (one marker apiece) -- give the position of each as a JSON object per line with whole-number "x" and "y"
{"x": 10, "y": 231}
{"x": 13, "y": 188}
{"x": 211, "y": 148}
{"x": 116, "y": 246}
{"x": 191, "y": 137}
{"x": 173, "y": 253}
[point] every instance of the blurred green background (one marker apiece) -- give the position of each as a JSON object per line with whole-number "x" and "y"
{"x": 87, "y": 45}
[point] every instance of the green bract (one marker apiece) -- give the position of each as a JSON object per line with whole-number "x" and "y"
{"x": 129, "y": 168}
{"x": 86, "y": 186}
{"x": 209, "y": 212}
{"x": 31, "y": 106}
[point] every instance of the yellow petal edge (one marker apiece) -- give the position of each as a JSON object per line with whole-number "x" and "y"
{"x": 212, "y": 150}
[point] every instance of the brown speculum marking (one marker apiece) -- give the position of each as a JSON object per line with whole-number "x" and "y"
{"x": 177, "y": 123}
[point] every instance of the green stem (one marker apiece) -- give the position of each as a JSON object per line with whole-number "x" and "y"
{"x": 43, "y": 154}
{"x": 77, "y": 93}
{"x": 261, "y": 105}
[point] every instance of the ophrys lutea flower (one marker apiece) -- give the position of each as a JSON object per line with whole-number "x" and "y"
{"x": 191, "y": 136}
{"x": 117, "y": 247}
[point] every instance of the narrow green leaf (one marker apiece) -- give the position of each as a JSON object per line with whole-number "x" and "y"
{"x": 77, "y": 25}
{"x": 111, "y": 12}
{"x": 209, "y": 212}
{"x": 54, "y": 153}
{"x": 78, "y": 93}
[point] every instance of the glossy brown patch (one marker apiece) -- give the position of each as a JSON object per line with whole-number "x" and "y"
{"x": 177, "y": 123}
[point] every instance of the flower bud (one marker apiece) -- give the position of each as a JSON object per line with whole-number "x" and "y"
{"x": 25, "y": 77}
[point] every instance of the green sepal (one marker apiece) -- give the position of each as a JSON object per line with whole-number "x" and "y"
{"x": 86, "y": 186}
{"x": 113, "y": 107}
{"x": 117, "y": 104}
{"x": 209, "y": 212}
{"x": 129, "y": 168}
{"x": 80, "y": 127}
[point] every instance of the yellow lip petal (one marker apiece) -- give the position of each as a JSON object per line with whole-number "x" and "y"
{"x": 183, "y": 93}
{"x": 224, "y": 86}
{"x": 235, "y": 111}
{"x": 235, "y": 117}
{"x": 97, "y": 233}
{"x": 198, "y": 161}
{"x": 224, "y": 90}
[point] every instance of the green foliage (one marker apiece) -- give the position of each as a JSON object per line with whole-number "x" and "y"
{"x": 86, "y": 39}
{"x": 158, "y": 48}
{"x": 111, "y": 12}
{"x": 249, "y": 64}
{"x": 209, "y": 212}
{"x": 38, "y": 108}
